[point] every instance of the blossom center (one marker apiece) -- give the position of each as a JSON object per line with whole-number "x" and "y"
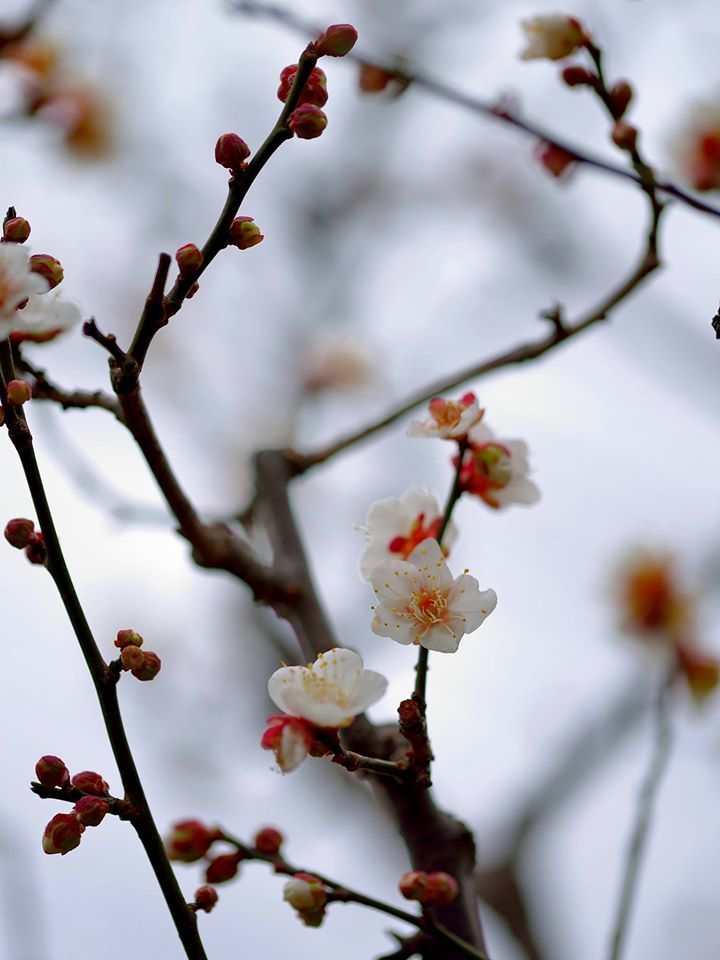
{"x": 418, "y": 532}
{"x": 445, "y": 413}
{"x": 428, "y": 606}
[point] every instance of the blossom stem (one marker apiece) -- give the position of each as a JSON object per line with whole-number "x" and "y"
{"x": 106, "y": 690}
{"x": 344, "y": 894}
{"x": 644, "y": 813}
{"x": 421, "y": 668}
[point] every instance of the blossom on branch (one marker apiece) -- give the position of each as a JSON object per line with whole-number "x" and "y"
{"x": 552, "y": 37}
{"x": 420, "y": 602}
{"x": 449, "y": 419}
{"x": 497, "y": 470}
{"x": 328, "y": 693}
{"x": 695, "y": 146}
{"x": 43, "y": 318}
{"x": 62, "y": 834}
{"x": 395, "y": 527}
{"x": 17, "y": 283}
{"x": 306, "y": 894}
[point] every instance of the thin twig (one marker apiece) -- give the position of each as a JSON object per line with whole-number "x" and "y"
{"x": 662, "y": 733}
{"x": 104, "y": 683}
{"x": 476, "y": 105}
{"x": 44, "y": 389}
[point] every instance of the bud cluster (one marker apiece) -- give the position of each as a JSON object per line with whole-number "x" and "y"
{"x": 143, "y": 664}
{"x": 307, "y": 895}
{"x": 21, "y": 534}
{"x": 63, "y": 832}
{"x": 430, "y": 889}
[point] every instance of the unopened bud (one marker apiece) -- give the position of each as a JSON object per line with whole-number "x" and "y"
{"x": 620, "y": 96}
{"x": 91, "y": 811}
{"x": 314, "y": 91}
{"x": 553, "y": 158}
{"x": 149, "y": 668}
{"x": 19, "y": 532}
{"x": 18, "y": 392}
{"x": 51, "y": 771}
{"x": 413, "y": 884}
{"x": 190, "y": 840}
{"x": 244, "y": 233}
{"x": 442, "y": 888}
{"x": 307, "y": 121}
{"x": 189, "y": 259}
{"x": 90, "y": 782}
{"x": 305, "y": 892}
{"x": 574, "y": 76}
{"x": 16, "y": 230}
{"x": 337, "y": 40}
{"x": 132, "y": 658}
{"x": 127, "y": 638}
{"x": 625, "y": 136}
{"x": 223, "y": 868}
{"x": 231, "y": 151}
{"x": 62, "y": 834}
{"x": 206, "y": 898}
{"x": 268, "y": 840}
{"x": 47, "y": 267}
{"x": 36, "y": 551}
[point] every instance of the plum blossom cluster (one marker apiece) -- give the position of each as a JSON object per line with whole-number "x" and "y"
{"x": 325, "y": 696}
{"x": 142, "y": 664}
{"x": 27, "y": 312}
{"x": 64, "y": 831}
{"x": 655, "y": 607}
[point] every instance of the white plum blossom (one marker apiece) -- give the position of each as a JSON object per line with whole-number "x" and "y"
{"x": 17, "y": 283}
{"x": 552, "y": 37}
{"x": 43, "y": 317}
{"x": 695, "y": 145}
{"x": 328, "y": 693}
{"x": 496, "y": 470}
{"x": 335, "y": 362}
{"x": 449, "y": 419}
{"x": 420, "y": 602}
{"x": 395, "y": 527}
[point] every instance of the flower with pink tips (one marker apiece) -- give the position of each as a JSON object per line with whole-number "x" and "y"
{"x": 496, "y": 470}
{"x": 449, "y": 419}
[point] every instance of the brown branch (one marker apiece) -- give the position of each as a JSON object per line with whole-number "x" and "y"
{"x": 44, "y": 389}
{"x": 484, "y": 108}
{"x": 560, "y": 333}
{"x": 105, "y": 684}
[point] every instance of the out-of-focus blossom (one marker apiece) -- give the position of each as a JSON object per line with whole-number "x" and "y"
{"x": 223, "y": 868}
{"x": 395, "y": 527}
{"x": 334, "y": 361}
{"x": 330, "y": 692}
{"x": 552, "y": 37}
{"x": 206, "y": 898}
{"x": 43, "y": 318}
{"x": 190, "y": 840}
{"x": 695, "y": 146}
{"x": 420, "y": 602}
{"x": 554, "y": 159}
{"x": 83, "y": 114}
{"x": 17, "y": 283}
{"x": 375, "y": 79}
{"x": 449, "y": 419}
{"x": 306, "y": 894}
{"x": 496, "y": 470}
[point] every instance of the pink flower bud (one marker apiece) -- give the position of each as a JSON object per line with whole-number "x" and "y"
{"x": 555, "y": 160}
{"x": 307, "y": 121}
{"x": 624, "y": 135}
{"x": 305, "y": 892}
{"x": 47, "y": 267}
{"x": 90, "y": 782}
{"x": 290, "y": 738}
{"x": 620, "y": 96}
{"x": 62, "y": 834}
{"x": 128, "y": 637}
{"x": 91, "y": 811}
{"x": 189, "y": 259}
{"x": 223, "y": 868}
{"x": 149, "y": 668}
{"x": 16, "y": 230}
{"x": 132, "y": 658}
{"x": 18, "y": 392}
{"x": 190, "y": 840}
{"x": 206, "y": 898}
{"x": 337, "y": 40}
{"x": 268, "y": 840}
{"x": 413, "y": 884}
{"x": 19, "y": 532}
{"x": 231, "y": 151}
{"x": 244, "y": 233}
{"x": 314, "y": 91}
{"x": 51, "y": 771}
{"x": 441, "y": 889}
{"x": 36, "y": 551}
{"x": 575, "y": 76}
